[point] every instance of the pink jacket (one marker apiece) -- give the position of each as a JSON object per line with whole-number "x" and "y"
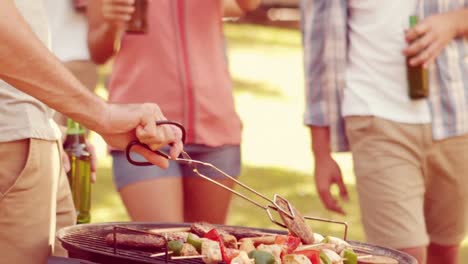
{"x": 180, "y": 64}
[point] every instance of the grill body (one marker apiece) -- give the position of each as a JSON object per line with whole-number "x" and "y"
{"x": 88, "y": 242}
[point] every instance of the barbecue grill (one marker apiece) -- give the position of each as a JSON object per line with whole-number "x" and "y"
{"x": 88, "y": 242}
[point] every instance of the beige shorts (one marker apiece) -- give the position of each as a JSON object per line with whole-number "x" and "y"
{"x": 35, "y": 200}
{"x": 412, "y": 190}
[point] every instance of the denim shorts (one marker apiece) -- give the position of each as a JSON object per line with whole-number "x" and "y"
{"x": 227, "y": 158}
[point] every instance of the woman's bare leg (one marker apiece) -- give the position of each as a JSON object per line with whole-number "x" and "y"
{"x": 205, "y": 201}
{"x": 156, "y": 200}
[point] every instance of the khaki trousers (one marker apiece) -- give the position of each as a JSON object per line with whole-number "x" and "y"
{"x": 35, "y": 200}
{"x": 412, "y": 189}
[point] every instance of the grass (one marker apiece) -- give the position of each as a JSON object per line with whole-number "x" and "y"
{"x": 266, "y": 65}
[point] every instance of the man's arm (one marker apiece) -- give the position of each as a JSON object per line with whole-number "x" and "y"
{"x": 320, "y": 87}
{"x": 30, "y": 67}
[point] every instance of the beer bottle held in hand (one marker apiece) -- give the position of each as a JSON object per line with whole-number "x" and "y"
{"x": 138, "y": 23}
{"x": 79, "y": 175}
{"x": 418, "y": 76}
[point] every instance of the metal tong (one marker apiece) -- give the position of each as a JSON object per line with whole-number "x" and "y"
{"x": 278, "y": 203}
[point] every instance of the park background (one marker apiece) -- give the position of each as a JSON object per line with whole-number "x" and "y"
{"x": 266, "y": 67}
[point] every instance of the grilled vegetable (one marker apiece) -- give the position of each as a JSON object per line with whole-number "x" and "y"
{"x": 230, "y": 254}
{"x": 312, "y": 254}
{"x": 175, "y": 246}
{"x": 288, "y": 243}
{"x": 331, "y": 256}
{"x": 214, "y": 235}
{"x": 339, "y": 243}
{"x": 242, "y": 258}
{"x": 317, "y": 237}
{"x": 195, "y": 241}
{"x": 349, "y": 257}
{"x": 324, "y": 259}
{"x": 274, "y": 250}
{"x": 247, "y": 245}
{"x": 296, "y": 259}
{"x": 262, "y": 257}
{"x": 211, "y": 252}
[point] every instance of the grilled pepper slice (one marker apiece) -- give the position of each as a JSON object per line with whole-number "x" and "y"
{"x": 194, "y": 241}
{"x": 175, "y": 246}
{"x": 214, "y": 235}
{"x": 325, "y": 259}
{"x": 262, "y": 257}
{"x": 312, "y": 254}
{"x": 349, "y": 256}
{"x": 288, "y": 243}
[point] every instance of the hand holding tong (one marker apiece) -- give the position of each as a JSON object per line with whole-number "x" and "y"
{"x": 291, "y": 218}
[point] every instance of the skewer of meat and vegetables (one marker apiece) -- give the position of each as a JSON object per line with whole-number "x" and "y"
{"x": 216, "y": 245}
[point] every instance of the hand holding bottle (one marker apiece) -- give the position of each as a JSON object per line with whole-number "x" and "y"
{"x": 430, "y": 36}
{"x": 118, "y": 12}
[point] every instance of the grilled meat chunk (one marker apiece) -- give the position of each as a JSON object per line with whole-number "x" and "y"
{"x": 267, "y": 240}
{"x": 182, "y": 236}
{"x": 229, "y": 241}
{"x": 143, "y": 241}
{"x": 201, "y": 228}
{"x": 211, "y": 252}
{"x": 297, "y": 225}
{"x": 188, "y": 250}
{"x": 247, "y": 245}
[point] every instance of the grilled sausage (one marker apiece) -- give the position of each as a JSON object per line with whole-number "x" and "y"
{"x": 142, "y": 241}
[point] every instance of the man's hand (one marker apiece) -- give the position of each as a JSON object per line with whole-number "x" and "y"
{"x": 124, "y": 123}
{"x": 430, "y": 36}
{"x": 327, "y": 173}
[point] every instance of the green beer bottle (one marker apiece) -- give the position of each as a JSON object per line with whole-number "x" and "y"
{"x": 79, "y": 175}
{"x": 418, "y": 76}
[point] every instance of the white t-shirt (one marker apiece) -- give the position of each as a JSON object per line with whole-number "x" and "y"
{"x": 68, "y": 30}
{"x": 21, "y": 115}
{"x": 376, "y": 81}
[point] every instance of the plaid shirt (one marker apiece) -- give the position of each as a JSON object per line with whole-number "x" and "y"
{"x": 324, "y": 31}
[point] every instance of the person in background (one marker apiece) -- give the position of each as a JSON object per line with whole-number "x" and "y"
{"x": 183, "y": 51}
{"x": 31, "y": 180}
{"x": 69, "y": 28}
{"x": 409, "y": 155}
